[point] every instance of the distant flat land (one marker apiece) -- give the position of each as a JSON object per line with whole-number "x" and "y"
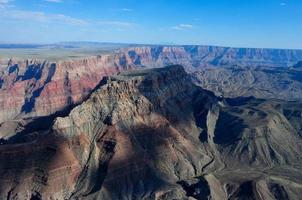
{"x": 57, "y": 51}
{"x": 50, "y": 54}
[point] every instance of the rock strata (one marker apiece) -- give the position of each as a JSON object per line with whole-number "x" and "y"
{"x": 36, "y": 88}
{"x": 153, "y": 134}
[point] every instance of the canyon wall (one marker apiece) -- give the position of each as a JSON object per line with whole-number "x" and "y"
{"x": 30, "y": 88}
{"x": 34, "y": 88}
{"x": 210, "y": 56}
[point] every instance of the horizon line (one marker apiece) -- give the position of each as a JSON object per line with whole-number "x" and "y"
{"x": 138, "y": 44}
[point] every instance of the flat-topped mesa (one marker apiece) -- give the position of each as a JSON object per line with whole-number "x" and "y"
{"x": 122, "y": 94}
{"x": 172, "y": 79}
{"x": 130, "y": 120}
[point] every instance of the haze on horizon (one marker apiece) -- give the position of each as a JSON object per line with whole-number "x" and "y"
{"x": 236, "y": 23}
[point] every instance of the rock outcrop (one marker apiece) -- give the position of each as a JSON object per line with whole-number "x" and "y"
{"x": 153, "y": 134}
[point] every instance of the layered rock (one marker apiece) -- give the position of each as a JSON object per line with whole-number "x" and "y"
{"x": 153, "y": 134}
{"x": 35, "y": 88}
{"x": 39, "y": 88}
{"x": 193, "y": 57}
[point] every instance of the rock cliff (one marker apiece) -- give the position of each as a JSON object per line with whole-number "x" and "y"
{"x": 30, "y": 88}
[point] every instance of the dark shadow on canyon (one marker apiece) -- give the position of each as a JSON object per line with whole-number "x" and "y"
{"x": 44, "y": 123}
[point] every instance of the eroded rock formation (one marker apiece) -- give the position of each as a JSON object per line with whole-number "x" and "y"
{"x": 193, "y": 57}
{"x": 35, "y": 88}
{"x": 39, "y": 88}
{"x": 260, "y": 82}
{"x": 153, "y": 134}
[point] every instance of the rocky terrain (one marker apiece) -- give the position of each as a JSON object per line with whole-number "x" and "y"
{"x": 226, "y": 125}
{"x": 260, "y": 82}
{"x": 34, "y": 87}
{"x": 195, "y": 57}
{"x": 154, "y": 134}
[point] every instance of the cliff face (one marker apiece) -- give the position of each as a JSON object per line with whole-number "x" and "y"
{"x": 30, "y": 88}
{"x": 39, "y": 88}
{"x": 193, "y": 57}
{"x": 153, "y": 134}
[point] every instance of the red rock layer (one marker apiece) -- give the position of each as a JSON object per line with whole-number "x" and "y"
{"x": 40, "y": 88}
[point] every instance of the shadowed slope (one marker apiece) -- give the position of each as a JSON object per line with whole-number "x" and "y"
{"x": 153, "y": 134}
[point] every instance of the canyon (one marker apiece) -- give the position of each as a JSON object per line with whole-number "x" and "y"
{"x": 215, "y": 123}
{"x": 33, "y": 87}
{"x": 153, "y": 134}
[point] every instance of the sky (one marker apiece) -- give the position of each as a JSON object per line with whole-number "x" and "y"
{"x": 236, "y": 23}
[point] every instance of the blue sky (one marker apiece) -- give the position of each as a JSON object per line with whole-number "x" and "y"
{"x": 240, "y": 23}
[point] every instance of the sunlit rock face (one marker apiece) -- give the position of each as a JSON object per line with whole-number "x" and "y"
{"x": 39, "y": 87}
{"x": 210, "y": 56}
{"x": 153, "y": 134}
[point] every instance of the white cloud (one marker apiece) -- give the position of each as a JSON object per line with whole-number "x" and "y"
{"x": 4, "y": 3}
{"x": 182, "y": 27}
{"x": 120, "y": 24}
{"x": 54, "y": 1}
{"x": 41, "y": 17}
{"x": 127, "y": 9}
